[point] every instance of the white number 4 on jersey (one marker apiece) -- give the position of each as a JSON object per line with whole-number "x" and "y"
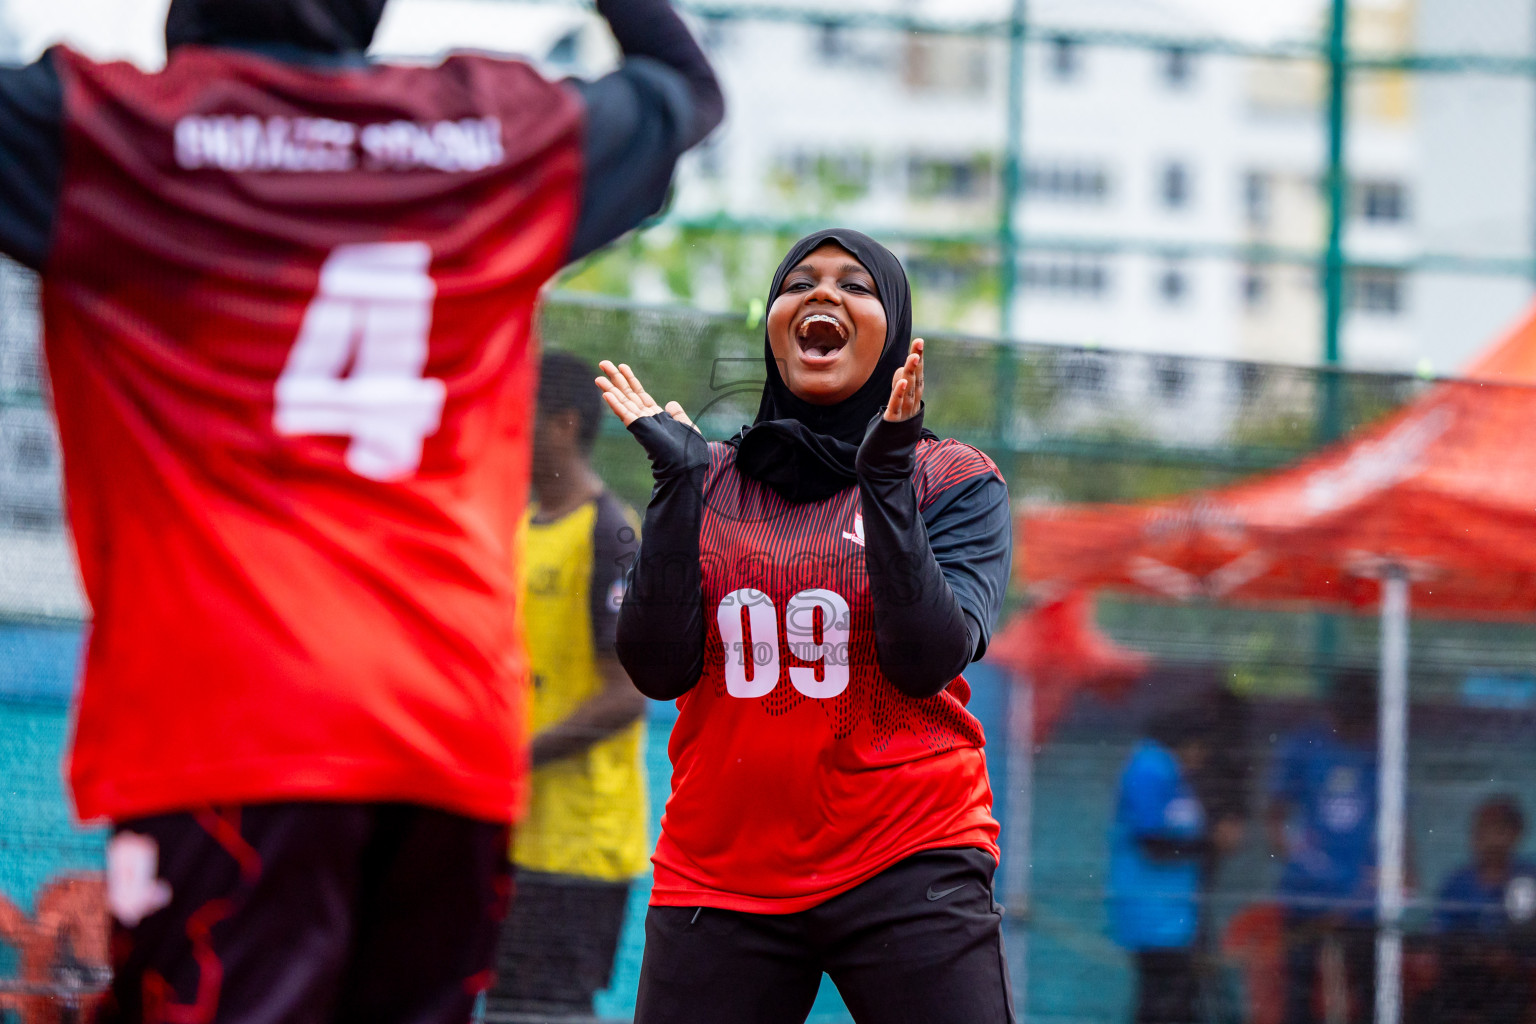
{"x": 372, "y": 313}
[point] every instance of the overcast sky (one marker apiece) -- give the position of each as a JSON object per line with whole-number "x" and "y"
{"x": 131, "y": 28}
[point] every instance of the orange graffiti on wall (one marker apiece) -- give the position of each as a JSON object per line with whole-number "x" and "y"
{"x": 63, "y": 947}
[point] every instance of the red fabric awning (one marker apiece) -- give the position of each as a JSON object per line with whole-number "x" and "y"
{"x": 1444, "y": 488}
{"x": 1057, "y": 647}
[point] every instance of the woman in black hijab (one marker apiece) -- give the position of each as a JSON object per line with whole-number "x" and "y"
{"x": 809, "y": 593}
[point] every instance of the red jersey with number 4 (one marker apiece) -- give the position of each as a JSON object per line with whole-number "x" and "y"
{"x": 799, "y": 770}
{"x": 288, "y": 326}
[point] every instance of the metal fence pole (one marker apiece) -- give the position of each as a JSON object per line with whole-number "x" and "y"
{"x": 1008, "y": 228}
{"x": 1392, "y": 788}
{"x": 1330, "y": 410}
{"x": 1338, "y": 197}
{"x": 1013, "y": 174}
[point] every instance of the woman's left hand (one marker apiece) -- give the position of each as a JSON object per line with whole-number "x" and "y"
{"x": 907, "y": 386}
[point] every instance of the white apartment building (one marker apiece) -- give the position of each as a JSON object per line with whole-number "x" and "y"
{"x": 1146, "y": 171}
{"x": 1149, "y": 168}
{"x": 1474, "y": 175}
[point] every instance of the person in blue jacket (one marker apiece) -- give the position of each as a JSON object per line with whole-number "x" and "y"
{"x": 1485, "y": 925}
{"x": 1160, "y": 846}
{"x": 1322, "y": 822}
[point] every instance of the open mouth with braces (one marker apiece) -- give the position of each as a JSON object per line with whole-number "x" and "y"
{"x": 821, "y": 337}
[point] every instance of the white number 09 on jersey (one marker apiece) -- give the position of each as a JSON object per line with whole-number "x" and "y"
{"x": 373, "y": 312}
{"x": 749, "y": 629}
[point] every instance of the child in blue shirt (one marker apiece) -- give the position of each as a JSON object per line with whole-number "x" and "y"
{"x": 1160, "y": 845}
{"x": 1485, "y": 924}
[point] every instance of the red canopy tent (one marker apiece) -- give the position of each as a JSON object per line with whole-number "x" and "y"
{"x": 1440, "y": 496}
{"x": 1443, "y": 490}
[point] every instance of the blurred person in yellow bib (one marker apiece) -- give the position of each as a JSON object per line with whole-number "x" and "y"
{"x": 584, "y": 838}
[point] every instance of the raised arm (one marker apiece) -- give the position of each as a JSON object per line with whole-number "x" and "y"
{"x": 660, "y": 637}
{"x": 663, "y": 100}
{"x": 31, "y": 159}
{"x": 937, "y": 576}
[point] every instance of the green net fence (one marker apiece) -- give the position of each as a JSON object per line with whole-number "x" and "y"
{"x": 1064, "y": 423}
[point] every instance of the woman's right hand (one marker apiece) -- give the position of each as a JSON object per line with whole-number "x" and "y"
{"x": 627, "y": 397}
{"x": 672, "y": 442}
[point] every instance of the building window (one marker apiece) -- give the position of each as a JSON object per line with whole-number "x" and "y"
{"x": 1258, "y": 193}
{"x": 844, "y": 177}
{"x": 945, "y": 275}
{"x": 1174, "y": 186}
{"x": 714, "y": 33}
{"x": 1067, "y": 277}
{"x": 1255, "y": 287}
{"x": 1382, "y": 202}
{"x": 1172, "y": 285}
{"x": 1170, "y": 377}
{"x": 1176, "y": 66}
{"x": 831, "y": 41}
{"x": 1066, "y": 58}
{"x": 1067, "y": 183}
{"x": 1247, "y": 378}
{"x": 1376, "y": 291}
{"x": 942, "y": 64}
{"x": 1083, "y": 373}
{"x": 710, "y": 158}
{"x": 949, "y": 178}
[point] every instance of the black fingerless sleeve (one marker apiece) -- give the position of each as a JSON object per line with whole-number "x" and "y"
{"x": 31, "y": 159}
{"x": 660, "y": 639}
{"x": 937, "y": 577}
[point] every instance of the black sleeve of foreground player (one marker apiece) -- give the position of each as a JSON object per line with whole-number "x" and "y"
{"x": 662, "y": 101}
{"x": 31, "y": 159}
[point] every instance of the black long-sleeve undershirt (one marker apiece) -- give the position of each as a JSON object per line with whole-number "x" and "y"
{"x": 924, "y": 634}
{"x": 660, "y": 639}
{"x": 937, "y": 576}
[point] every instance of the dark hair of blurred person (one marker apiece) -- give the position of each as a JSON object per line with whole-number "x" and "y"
{"x": 302, "y": 704}
{"x": 1485, "y": 925}
{"x": 566, "y": 422}
{"x": 584, "y": 839}
{"x": 1353, "y": 704}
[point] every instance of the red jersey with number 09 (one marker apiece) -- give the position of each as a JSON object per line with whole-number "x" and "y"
{"x": 799, "y": 770}
{"x": 288, "y": 326}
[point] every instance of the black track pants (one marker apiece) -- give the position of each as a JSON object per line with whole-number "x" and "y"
{"x": 920, "y": 943}
{"x": 310, "y": 913}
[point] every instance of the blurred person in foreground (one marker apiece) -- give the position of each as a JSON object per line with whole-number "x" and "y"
{"x": 809, "y": 592}
{"x": 287, "y": 305}
{"x": 1322, "y": 821}
{"x": 1163, "y": 846}
{"x": 1485, "y": 925}
{"x": 584, "y": 838}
